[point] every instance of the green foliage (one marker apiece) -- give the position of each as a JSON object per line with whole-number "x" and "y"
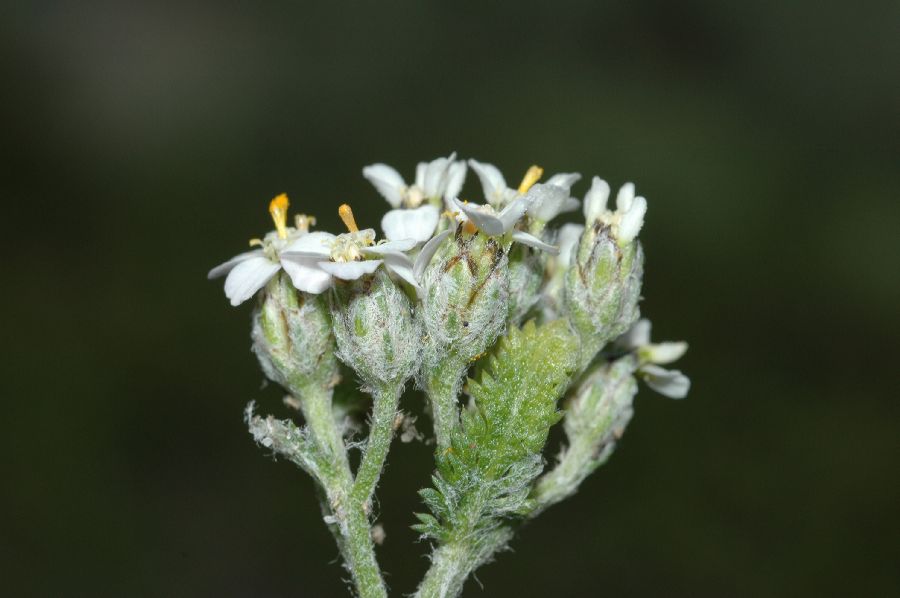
{"x": 484, "y": 477}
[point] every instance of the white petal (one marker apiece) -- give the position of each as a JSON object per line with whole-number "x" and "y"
{"x": 486, "y": 222}
{"x": 532, "y": 241}
{"x": 625, "y": 197}
{"x": 456, "y": 176}
{"x": 424, "y": 257}
{"x": 226, "y": 267}
{"x": 402, "y": 266}
{"x": 512, "y": 213}
{"x": 662, "y": 353}
{"x": 595, "y": 200}
{"x": 637, "y": 336}
{"x": 315, "y": 244}
{"x": 435, "y": 177}
{"x": 632, "y": 220}
{"x": 421, "y": 169}
{"x": 569, "y": 235}
{"x": 387, "y": 181}
{"x": 670, "y": 383}
{"x": 545, "y": 202}
{"x": 350, "y": 270}
{"x": 564, "y": 180}
{"x": 417, "y": 224}
{"x": 248, "y": 277}
{"x": 570, "y": 205}
{"x": 492, "y": 182}
{"x": 398, "y": 246}
{"x": 306, "y": 276}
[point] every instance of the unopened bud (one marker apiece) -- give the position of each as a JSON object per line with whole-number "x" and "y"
{"x": 292, "y": 336}
{"x": 466, "y": 297}
{"x": 375, "y": 331}
{"x": 556, "y": 268}
{"x": 603, "y": 287}
{"x": 526, "y": 273}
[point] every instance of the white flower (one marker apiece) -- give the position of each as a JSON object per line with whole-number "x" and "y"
{"x": 354, "y": 254}
{"x": 493, "y": 184}
{"x": 544, "y": 201}
{"x": 416, "y": 207}
{"x": 671, "y": 383}
{"x": 628, "y": 218}
{"x": 250, "y": 271}
{"x": 492, "y": 223}
{"x": 417, "y": 223}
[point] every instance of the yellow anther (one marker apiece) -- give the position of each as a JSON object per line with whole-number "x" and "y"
{"x": 533, "y": 175}
{"x": 470, "y": 227}
{"x": 346, "y": 215}
{"x": 278, "y": 209}
{"x": 256, "y": 242}
{"x": 303, "y": 222}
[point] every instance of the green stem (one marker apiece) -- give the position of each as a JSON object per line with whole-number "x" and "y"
{"x": 381, "y": 432}
{"x": 443, "y": 386}
{"x": 453, "y": 562}
{"x": 360, "y": 552}
{"x": 350, "y": 519}
{"x": 596, "y": 412}
{"x": 315, "y": 404}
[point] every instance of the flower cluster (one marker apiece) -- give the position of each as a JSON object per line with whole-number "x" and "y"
{"x": 453, "y": 280}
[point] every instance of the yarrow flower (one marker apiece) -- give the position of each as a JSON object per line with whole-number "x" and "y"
{"x": 416, "y": 207}
{"x": 250, "y": 271}
{"x": 628, "y": 218}
{"x": 670, "y": 383}
{"x": 496, "y": 219}
{"x": 354, "y": 254}
{"x": 549, "y": 198}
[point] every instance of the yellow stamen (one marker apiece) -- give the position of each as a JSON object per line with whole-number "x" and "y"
{"x": 346, "y": 215}
{"x": 533, "y": 175}
{"x": 470, "y": 227}
{"x": 255, "y": 242}
{"x": 278, "y": 209}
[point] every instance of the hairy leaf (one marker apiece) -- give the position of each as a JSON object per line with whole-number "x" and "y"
{"x": 487, "y": 472}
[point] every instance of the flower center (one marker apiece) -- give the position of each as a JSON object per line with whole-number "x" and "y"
{"x": 413, "y": 196}
{"x": 347, "y": 247}
{"x": 283, "y": 234}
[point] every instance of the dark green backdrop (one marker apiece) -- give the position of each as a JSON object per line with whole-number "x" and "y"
{"x": 141, "y": 142}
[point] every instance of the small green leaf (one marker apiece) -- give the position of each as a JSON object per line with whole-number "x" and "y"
{"x": 486, "y": 473}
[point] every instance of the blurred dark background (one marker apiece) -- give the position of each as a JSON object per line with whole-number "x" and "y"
{"x": 142, "y": 142}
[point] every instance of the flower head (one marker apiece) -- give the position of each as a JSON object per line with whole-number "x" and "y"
{"x": 627, "y": 219}
{"x": 551, "y": 195}
{"x": 671, "y": 383}
{"x": 250, "y": 271}
{"x": 488, "y": 220}
{"x": 354, "y": 254}
{"x": 416, "y": 207}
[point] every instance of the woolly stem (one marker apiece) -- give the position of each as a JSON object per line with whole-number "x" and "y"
{"x": 453, "y": 562}
{"x": 442, "y": 387}
{"x": 596, "y": 415}
{"x": 350, "y": 518}
{"x": 381, "y": 432}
